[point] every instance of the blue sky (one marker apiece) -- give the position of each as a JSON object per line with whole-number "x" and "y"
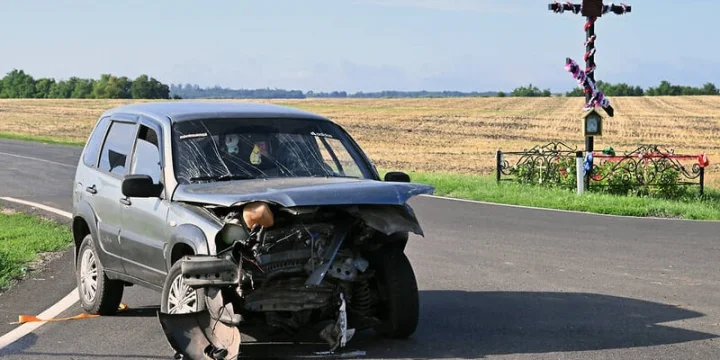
{"x": 356, "y": 45}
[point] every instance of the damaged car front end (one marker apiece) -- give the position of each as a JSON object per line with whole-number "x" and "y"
{"x": 299, "y": 274}
{"x": 303, "y": 252}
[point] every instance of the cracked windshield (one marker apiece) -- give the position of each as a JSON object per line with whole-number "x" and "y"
{"x": 231, "y": 149}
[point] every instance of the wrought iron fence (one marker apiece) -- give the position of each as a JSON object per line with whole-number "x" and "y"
{"x": 552, "y": 163}
{"x": 647, "y": 169}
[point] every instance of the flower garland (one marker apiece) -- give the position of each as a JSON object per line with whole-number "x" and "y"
{"x": 597, "y": 97}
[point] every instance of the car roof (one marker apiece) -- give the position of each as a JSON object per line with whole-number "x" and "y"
{"x": 178, "y": 111}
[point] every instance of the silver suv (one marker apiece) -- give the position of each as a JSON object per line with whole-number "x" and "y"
{"x": 253, "y": 216}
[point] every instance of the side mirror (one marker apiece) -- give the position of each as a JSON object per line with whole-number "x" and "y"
{"x": 140, "y": 186}
{"x": 397, "y": 176}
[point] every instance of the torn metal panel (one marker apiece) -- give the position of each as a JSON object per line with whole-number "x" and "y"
{"x": 388, "y": 219}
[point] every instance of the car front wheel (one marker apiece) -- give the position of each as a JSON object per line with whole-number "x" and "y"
{"x": 399, "y": 306}
{"x": 98, "y": 294}
{"x": 177, "y": 297}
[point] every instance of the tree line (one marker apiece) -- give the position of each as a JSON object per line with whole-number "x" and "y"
{"x": 621, "y": 89}
{"x": 19, "y": 84}
{"x": 664, "y": 89}
{"x": 194, "y": 91}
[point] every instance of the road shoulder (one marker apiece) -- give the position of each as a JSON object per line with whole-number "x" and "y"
{"x": 43, "y": 287}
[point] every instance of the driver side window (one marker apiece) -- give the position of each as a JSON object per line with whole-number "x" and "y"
{"x": 146, "y": 158}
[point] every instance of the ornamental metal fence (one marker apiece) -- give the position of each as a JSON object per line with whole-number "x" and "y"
{"x": 647, "y": 170}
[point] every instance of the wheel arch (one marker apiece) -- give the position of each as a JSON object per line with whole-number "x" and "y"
{"x": 83, "y": 224}
{"x": 186, "y": 239}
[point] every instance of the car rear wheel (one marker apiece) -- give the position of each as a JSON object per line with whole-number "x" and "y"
{"x": 177, "y": 297}
{"x": 98, "y": 294}
{"x": 399, "y": 306}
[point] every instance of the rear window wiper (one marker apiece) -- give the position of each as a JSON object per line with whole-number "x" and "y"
{"x": 225, "y": 177}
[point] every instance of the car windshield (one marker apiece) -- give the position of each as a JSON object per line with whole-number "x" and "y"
{"x": 229, "y": 149}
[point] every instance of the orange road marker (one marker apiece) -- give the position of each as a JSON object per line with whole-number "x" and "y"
{"x": 22, "y": 319}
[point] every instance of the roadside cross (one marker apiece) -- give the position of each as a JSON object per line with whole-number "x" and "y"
{"x": 591, "y": 10}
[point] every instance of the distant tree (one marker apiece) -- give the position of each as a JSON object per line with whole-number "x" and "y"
{"x": 710, "y": 89}
{"x": 530, "y": 91}
{"x": 82, "y": 89}
{"x": 141, "y": 88}
{"x": 111, "y": 87}
{"x": 501, "y": 94}
{"x": 159, "y": 90}
{"x": 43, "y": 87}
{"x": 63, "y": 89}
{"x": 18, "y": 84}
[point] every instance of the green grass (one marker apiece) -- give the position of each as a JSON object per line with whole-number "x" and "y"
{"x": 22, "y": 238}
{"x": 42, "y": 139}
{"x": 484, "y": 188}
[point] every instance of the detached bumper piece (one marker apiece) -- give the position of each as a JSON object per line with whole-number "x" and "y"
{"x": 208, "y": 336}
{"x": 197, "y": 336}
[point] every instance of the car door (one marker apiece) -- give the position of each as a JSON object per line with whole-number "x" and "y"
{"x": 144, "y": 232}
{"x": 86, "y": 187}
{"x": 105, "y": 187}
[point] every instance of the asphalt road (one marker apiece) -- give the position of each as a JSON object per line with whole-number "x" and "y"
{"x": 496, "y": 282}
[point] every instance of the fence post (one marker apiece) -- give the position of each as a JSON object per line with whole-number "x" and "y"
{"x": 498, "y": 164}
{"x": 702, "y": 181}
{"x": 579, "y": 170}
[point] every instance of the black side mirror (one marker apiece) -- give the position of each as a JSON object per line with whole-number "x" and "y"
{"x": 140, "y": 186}
{"x": 397, "y": 176}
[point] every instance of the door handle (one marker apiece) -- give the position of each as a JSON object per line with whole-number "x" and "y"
{"x": 125, "y": 201}
{"x": 91, "y": 189}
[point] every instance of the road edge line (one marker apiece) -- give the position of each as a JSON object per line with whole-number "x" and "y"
{"x": 37, "y": 159}
{"x": 39, "y": 206}
{"x": 54, "y": 310}
{"x": 587, "y": 213}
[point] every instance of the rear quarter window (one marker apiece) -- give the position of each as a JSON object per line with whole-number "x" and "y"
{"x": 92, "y": 147}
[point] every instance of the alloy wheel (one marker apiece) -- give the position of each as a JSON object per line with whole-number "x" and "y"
{"x": 182, "y": 299}
{"x": 88, "y": 276}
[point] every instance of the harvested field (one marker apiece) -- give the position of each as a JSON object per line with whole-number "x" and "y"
{"x": 444, "y": 135}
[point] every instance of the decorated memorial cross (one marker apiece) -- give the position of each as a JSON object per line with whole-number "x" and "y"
{"x": 592, "y": 10}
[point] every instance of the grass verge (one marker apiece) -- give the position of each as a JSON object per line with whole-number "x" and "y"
{"x": 484, "y": 188}
{"x": 42, "y": 139}
{"x": 23, "y": 240}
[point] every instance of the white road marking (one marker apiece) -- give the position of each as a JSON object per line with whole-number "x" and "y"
{"x": 39, "y": 206}
{"x": 480, "y": 202}
{"x": 24, "y": 329}
{"x": 37, "y": 159}
{"x": 53, "y": 311}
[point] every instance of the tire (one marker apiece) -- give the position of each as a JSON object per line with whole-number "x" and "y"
{"x": 107, "y": 295}
{"x": 399, "y": 308}
{"x": 175, "y": 275}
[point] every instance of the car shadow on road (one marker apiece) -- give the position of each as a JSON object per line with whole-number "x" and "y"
{"x": 463, "y": 324}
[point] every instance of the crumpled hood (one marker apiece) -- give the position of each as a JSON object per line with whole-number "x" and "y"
{"x": 291, "y": 192}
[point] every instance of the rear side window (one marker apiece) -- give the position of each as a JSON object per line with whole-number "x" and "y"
{"x": 92, "y": 148}
{"x": 117, "y": 148}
